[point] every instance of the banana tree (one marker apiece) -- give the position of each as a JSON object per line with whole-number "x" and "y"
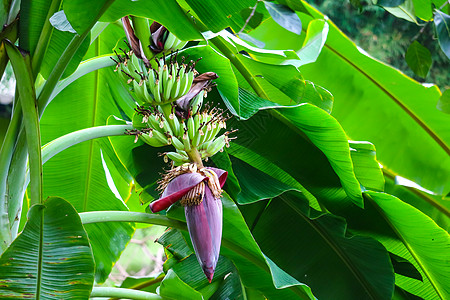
{"x": 248, "y": 128}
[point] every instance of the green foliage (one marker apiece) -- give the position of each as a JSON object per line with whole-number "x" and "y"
{"x": 36, "y": 266}
{"x": 312, "y": 206}
{"x": 386, "y": 37}
{"x": 419, "y": 59}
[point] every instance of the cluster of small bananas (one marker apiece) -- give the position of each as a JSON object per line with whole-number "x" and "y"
{"x": 165, "y": 83}
{"x": 199, "y": 131}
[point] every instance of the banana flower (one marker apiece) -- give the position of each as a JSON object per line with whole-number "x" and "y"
{"x": 199, "y": 191}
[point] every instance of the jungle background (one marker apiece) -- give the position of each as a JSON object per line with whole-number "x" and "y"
{"x": 384, "y": 36}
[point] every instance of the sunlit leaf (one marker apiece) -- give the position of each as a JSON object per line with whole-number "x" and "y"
{"x": 444, "y": 102}
{"x": 285, "y": 17}
{"x": 51, "y": 258}
{"x": 316, "y": 36}
{"x": 429, "y": 243}
{"x": 60, "y": 22}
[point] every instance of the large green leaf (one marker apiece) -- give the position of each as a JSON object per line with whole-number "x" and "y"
{"x": 320, "y": 128}
{"x": 212, "y": 61}
{"x": 317, "y": 249}
{"x": 366, "y": 166}
{"x": 33, "y": 15}
{"x": 82, "y": 14}
{"x": 51, "y": 258}
{"x": 77, "y": 173}
{"x": 166, "y": 12}
{"x": 372, "y": 98}
{"x": 57, "y": 44}
{"x": 436, "y": 207}
{"x": 172, "y": 287}
{"x": 427, "y": 242}
{"x": 219, "y": 15}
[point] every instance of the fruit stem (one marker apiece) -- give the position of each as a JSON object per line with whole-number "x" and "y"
{"x": 195, "y": 157}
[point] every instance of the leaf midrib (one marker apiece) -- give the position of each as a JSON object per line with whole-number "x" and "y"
{"x": 40, "y": 256}
{"x": 336, "y": 249}
{"x": 91, "y": 143}
{"x": 403, "y": 106}
{"x": 409, "y": 247}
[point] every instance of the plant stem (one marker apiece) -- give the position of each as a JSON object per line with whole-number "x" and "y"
{"x": 54, "y": 147}
{"x": 148, "y": 283}
{"x": 22, "y": 70}
{"x": 44, "y": 38}
{"x": 195, "y": 157}
{"x": 84, "y": 68}
{"x": 122, "y": 293}
{"x": 58, "y": 70}
{"x": 6, "y": 154}
{"x": 127, "y": 216}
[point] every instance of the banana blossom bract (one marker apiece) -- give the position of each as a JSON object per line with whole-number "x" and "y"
{"x": 204, "y": 220}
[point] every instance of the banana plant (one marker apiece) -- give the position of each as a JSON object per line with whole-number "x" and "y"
{"x": 267, "y": 143}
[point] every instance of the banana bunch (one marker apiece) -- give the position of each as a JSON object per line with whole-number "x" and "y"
{"x": 164, "y": 83}
{"x": 160, "y": 126}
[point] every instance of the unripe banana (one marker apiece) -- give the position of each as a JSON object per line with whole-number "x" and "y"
{"x": 152, "y": 141}
{"x": 216, "y": 145}
{"x": 196, "y": 140}
{"x": 177, "y": 143}
{"x": 164, "y": 76}
{"x": 147, "y": 96}
{"x": 157, "y": 94}
{"x": 166, "y": 126}
{"x": 176, "y": 89}
{"x": 176, "y": 126}
{"x": 168, "y": 87}
{"x": 192, "y": 130}
{"x": 161, "y": 137}
{"x": 204, "y": 146}
{"x": 197, "y": 102}
{"x": 184, "y": 88}
{"x": 134, "y": 64}
{"x": 171, "y": 39}
{"x": 177, "y": 157}
{"x": 138, "y": 90}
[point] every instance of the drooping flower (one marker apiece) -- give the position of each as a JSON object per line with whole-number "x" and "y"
{"x": 199, "y": 191}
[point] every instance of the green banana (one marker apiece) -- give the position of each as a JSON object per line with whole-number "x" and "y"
{"x": 216, "y": 145}
{"x": 153, "y": 141}
{"x": 177, "y": 158}
{"x": 177, "y": 143}
{"x": 192, "y": 130}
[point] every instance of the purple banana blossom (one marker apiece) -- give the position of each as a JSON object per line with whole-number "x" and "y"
{"x": 204, "y": 219}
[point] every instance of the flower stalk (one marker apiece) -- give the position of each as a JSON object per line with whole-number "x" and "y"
{"x": 174, "y": 113}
